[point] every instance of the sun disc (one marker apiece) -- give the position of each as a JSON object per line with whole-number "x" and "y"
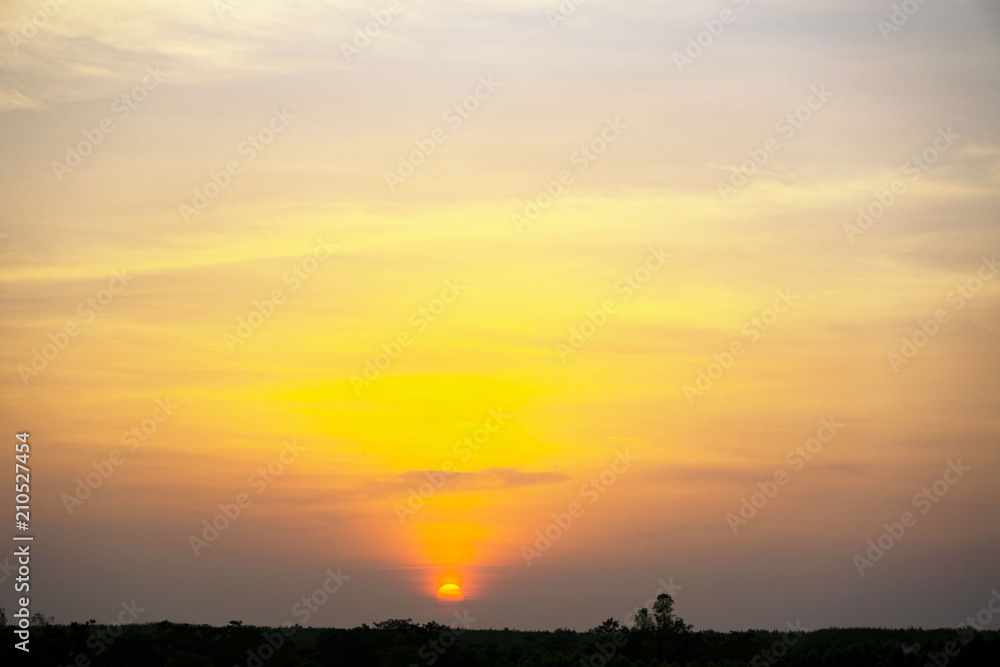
{"x": 450, "y": 593}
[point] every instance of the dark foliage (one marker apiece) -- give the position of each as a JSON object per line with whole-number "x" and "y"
{"x": 664, "y": 642}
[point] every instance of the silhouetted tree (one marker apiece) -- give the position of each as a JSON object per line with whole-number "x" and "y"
{"x": 608, "y": 627}
{"x": 39, "y": 619}
{"x": 644, "y": 621}
{"x": 665, "y": 618}
{"x": 397, "y": 624}
{"x": 435, "y": 628}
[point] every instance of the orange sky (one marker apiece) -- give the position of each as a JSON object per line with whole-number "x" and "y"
{"x": 488, "y": 301}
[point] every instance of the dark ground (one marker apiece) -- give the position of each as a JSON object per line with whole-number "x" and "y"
{"x": 403, "y": 644}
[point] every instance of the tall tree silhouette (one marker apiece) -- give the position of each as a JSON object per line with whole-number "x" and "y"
{"x": 664, "y": 617}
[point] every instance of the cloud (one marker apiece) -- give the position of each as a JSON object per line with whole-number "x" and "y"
{"x": 12, "y": 99}
{"x": 488, "y": 479}
{"x": 82, "y": 54}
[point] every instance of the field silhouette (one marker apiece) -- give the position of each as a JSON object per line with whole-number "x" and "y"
{"x": 657, "y": 638}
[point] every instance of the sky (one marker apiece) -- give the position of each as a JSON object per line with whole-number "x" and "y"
{"x": 564, "y": 304}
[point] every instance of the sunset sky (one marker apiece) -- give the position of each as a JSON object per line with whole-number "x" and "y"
{"x": 420, "y": 296}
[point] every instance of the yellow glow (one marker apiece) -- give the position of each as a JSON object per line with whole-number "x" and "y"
{"x": 397, "y": 471}
{"x": 450, "y": 593}
{"x": 452, "y": 543}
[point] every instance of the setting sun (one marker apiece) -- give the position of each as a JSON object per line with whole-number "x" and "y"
{"x": 375, "y": 318}
{"x": 450, "y": 593}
